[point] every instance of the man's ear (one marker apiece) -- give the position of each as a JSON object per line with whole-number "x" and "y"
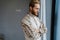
{"x": 30, "y": 8}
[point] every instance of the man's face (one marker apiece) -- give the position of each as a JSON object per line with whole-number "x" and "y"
{"x": 35, "y": 9}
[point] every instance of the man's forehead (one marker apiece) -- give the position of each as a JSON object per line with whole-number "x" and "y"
{"x": 37, "y": 5}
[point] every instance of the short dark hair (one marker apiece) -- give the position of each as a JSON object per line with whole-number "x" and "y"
{"x": 32, "y": 4}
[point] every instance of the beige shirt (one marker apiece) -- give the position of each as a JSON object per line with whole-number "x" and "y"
{"x": 29, "y": 24}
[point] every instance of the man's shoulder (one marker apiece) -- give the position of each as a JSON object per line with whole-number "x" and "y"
{"x": 26, "y": 18}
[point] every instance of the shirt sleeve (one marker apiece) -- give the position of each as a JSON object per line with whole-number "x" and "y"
{"x": 27, "y": 30}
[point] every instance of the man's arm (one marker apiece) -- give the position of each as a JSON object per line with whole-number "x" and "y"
{"x": 43, "y": 29}
{"x": 32, "y": 34}
{"x": 27, "y": 30}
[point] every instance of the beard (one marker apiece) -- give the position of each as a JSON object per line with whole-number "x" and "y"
{"x": 35, "y": 14}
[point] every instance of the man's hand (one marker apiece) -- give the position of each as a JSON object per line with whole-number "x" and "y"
{"x": 43, "y": 29}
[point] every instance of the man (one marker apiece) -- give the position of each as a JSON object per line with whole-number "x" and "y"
{"x": 32, "y": 26}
